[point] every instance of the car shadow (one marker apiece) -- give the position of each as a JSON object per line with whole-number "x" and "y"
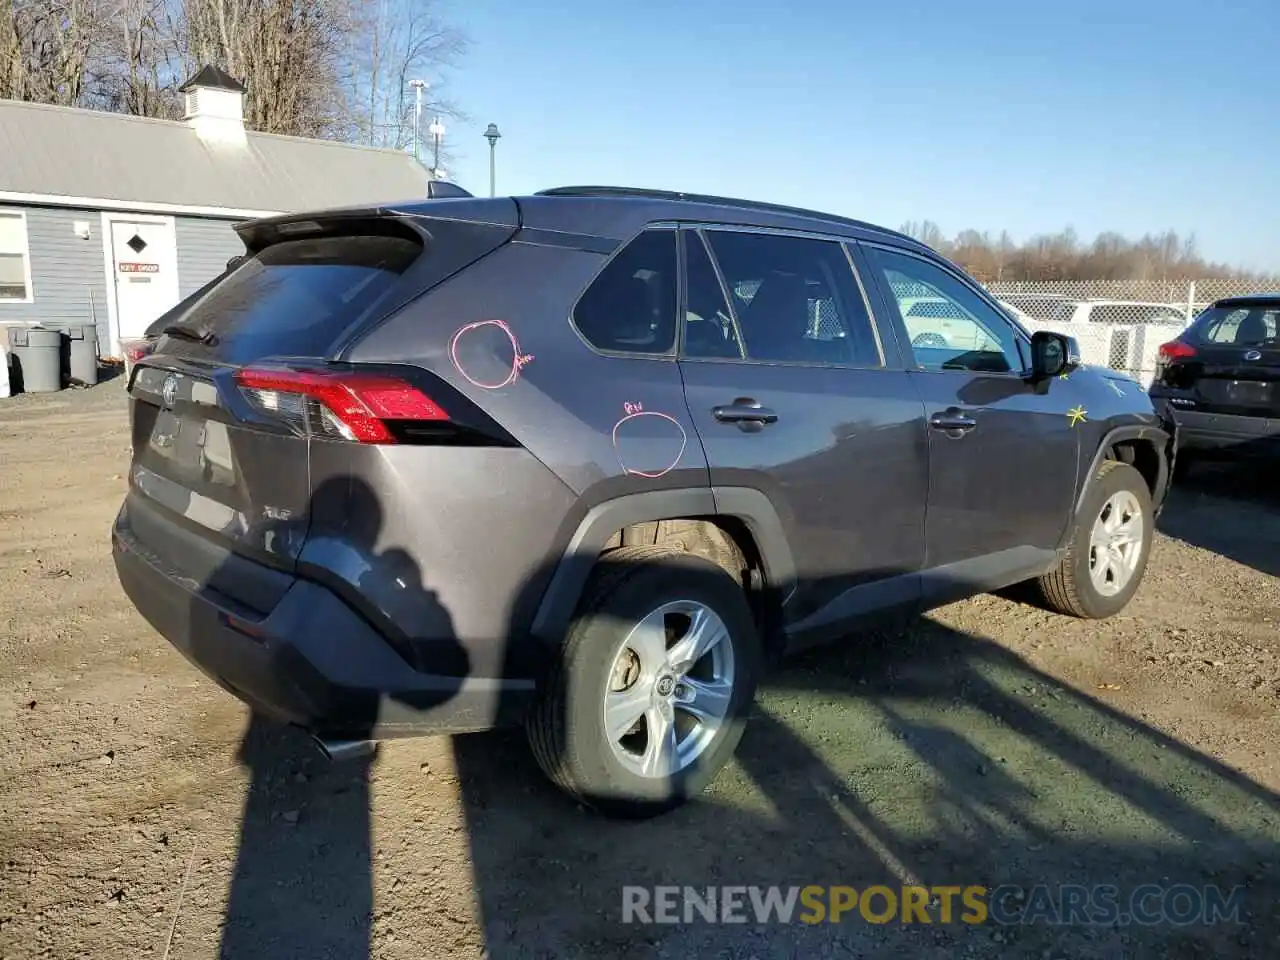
{"x": 302, "y": 883}
{"x": 908, "y": 755}
{"x": 913, "y": 755}
{"x": 1229, "y": 508}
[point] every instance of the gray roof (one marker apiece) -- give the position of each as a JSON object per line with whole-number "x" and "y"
{"x": 61, "y": 151}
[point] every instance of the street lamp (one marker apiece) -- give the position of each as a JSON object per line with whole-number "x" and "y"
{"x": 493, "y": 136}
{"x": 437, "y": 134}
{"x": 418, "y": 87}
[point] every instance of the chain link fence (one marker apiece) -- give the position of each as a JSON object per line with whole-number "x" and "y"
{"x": 1118, "y": 323}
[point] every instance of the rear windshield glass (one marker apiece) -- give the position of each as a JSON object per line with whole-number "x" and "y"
{"x": 298, "y": 296}
{"x": 1240, "y": 326}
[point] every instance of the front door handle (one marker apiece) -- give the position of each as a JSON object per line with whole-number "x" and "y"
{"x": 745, "y": 412}
{"x": 954, "y": 421}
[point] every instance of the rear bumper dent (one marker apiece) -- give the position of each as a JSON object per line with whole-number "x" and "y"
{"x": 312, "y": 661}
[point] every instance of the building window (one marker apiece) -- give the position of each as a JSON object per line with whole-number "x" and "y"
{"x": 15, "y": 261}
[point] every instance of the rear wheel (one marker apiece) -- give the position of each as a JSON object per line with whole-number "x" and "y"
{"x": 657, "y": 674}
{"x": 1110, "y": 543}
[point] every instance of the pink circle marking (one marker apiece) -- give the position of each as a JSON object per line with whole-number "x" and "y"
{"x": 515, "y": 354}
{"x": 684, "y": 439}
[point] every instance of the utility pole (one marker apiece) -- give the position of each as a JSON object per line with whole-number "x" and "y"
{"x": 437, "y": 134}
{"x": 418, "y": 87}
{"x": 493, "y": 136}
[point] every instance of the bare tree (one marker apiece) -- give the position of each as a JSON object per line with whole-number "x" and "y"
{"x": 286, "y": 52}
{"x": 397, "y": 42}
{"x": 316, "y": 68}
{"x": 139, "y": 70}
{"x": 46, "y": 47}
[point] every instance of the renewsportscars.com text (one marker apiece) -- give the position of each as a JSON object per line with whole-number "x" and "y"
{"x": 1062, "y": 904}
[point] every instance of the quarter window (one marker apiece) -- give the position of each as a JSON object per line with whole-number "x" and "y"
{"x": 15, "y": 264}
{"x": 949, "y": 326}
{"x": 795, "y": 299}
{"x": 631, "y": 306}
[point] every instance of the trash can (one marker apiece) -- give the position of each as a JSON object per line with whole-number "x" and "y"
{"x": 82, "y": 368}
{"x": 37, "y": 356}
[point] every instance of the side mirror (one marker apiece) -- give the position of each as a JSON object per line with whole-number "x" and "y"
{"x": 1053, "y": 354}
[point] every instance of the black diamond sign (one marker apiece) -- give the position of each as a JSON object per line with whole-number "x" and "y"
{"x": 137, "y": 244}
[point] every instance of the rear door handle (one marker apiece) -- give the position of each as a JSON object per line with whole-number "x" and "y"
{"x": 954, "y": 421}
{"x": 744, "y": 411}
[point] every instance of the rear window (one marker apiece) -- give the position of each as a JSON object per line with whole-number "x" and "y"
{"x": 298, "y": 296}
{"x": 1239, "y": 326}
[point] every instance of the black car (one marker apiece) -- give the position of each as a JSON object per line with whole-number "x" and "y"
{"x": 588, "y": 460}
{"x": 1220, "y": 381}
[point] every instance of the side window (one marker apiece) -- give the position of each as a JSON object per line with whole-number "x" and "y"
{"x": 631, "y": 306}
{"x": 795, "y": 299}
{"x": 950, "y": 327}
{"x": 709, "y": 330}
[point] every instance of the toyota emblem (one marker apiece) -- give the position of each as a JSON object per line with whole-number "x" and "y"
{"x": 169, "y": 392}
{"x": 1253, "y": 355}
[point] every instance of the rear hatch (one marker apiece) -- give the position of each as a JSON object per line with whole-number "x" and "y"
{"x": 243, "y": 381}
{"x": 1236, "y": 366}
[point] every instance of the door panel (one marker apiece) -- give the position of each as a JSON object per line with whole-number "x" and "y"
{"x": 144, "y": 270}
{"x": 839, "y": 447}
{"x": 1003, "y": 454}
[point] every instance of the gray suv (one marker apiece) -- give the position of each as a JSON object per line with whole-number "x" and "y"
{"x": 588, "y": 460}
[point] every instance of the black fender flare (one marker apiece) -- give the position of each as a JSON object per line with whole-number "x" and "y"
{"x": 573, "y": 568}
{"x": 1162, "y": 439}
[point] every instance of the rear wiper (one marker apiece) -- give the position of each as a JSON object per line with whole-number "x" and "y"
{"x": 186, "y": 333}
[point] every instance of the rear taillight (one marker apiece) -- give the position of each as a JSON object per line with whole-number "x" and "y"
{"x": 363, "y": 407}
{"x": 137, "y": 349}
{"x": 1175, "y": 350}
{"x": 1168, "y": 356}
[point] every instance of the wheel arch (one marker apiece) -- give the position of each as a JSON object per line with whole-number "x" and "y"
{"x": 1146, "y": 447}
{"x": 746, "y": 520}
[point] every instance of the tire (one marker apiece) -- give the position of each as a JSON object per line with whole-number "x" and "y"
{"x": 1069, "y": 588}
{"x": 567, "y": 729}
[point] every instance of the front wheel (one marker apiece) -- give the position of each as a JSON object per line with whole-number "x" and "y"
{"x": 1110, "y": 543}
{"x": 656, "y": 676}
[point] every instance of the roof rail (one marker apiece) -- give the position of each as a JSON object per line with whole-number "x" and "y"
{"x": 646, "y": 194}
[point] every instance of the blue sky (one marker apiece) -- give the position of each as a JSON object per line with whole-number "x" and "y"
{"x": 1132, "y": 115}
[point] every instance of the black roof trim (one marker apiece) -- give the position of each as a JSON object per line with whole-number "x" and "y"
{"x": 641, "y": 193}
{"x": 1248, "y": 300}
{"x": 215, "y": 77}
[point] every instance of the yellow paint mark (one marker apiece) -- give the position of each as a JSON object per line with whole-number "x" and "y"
{"x": 1077, "y": 415}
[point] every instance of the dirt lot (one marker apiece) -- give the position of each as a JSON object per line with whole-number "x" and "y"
{"x": 141, "y": 814}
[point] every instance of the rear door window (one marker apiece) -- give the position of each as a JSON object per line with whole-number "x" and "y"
{"x": 795, "y": 299}
{"x": 296, "y": 297}
{"x": 630, "y": 307}
{"x": 709, "y": 330}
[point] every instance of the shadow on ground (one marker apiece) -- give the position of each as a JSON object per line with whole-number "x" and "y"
{"x": 914, "y": 755}
{"x": 1232, "y": 509}
{"x": 930, "y": 757}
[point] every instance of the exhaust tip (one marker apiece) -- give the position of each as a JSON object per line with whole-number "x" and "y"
{"x": 339, "y": 750}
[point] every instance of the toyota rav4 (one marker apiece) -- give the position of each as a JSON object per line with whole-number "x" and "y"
{"x": 589, "y": 460}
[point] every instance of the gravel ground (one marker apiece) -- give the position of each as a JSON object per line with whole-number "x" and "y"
{"x": 143, "y": 814}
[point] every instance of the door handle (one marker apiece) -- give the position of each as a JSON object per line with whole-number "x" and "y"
{"x": 745, "y": 412}
{"x": 954, "y": 421}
